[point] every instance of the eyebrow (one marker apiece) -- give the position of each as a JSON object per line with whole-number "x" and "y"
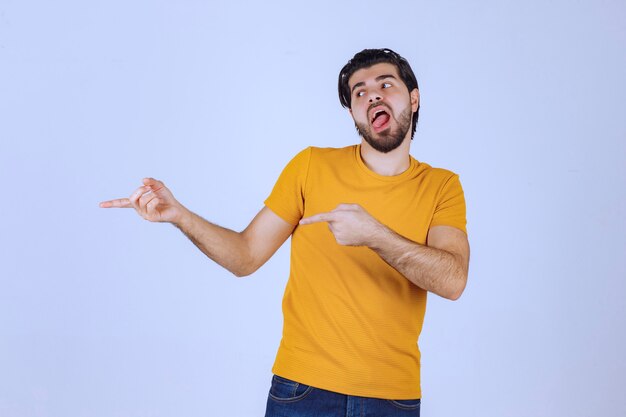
{"x": 380, "y": 77}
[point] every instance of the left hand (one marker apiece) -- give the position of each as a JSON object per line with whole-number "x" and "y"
{"x": 350, "y": 224}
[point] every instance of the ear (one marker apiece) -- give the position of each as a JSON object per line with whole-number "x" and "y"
{"x": 415, "y": 99}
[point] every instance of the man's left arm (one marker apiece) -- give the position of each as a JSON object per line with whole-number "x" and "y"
{"x": 440, "y": 266}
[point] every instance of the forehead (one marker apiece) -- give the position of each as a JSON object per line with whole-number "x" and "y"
{"x": 369, "y": 74}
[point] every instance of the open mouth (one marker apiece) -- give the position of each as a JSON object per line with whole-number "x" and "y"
{"x": 380, "y": 119}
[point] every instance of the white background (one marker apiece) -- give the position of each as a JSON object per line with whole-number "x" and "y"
{"x": 105, "y": 314}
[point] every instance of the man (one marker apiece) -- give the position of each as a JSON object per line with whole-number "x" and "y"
{"x": 372, "y": 231}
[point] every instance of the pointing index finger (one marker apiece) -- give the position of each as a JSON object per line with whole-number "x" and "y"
{"x": 316, "y": 218}
{"x": 119, "y": 203}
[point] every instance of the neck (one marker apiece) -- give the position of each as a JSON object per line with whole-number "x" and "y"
{"x": 390, "y": 163}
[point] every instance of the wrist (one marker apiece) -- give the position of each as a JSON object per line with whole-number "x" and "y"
{"x": 379, "y": 234}
{"x": 184, "y": 220}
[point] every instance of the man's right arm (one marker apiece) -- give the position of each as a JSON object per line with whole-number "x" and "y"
{"x": 241, "y": 253}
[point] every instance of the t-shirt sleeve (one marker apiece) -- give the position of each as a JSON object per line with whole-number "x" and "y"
{"x": 287, "y": 197}
{"x": 450, "y": 209}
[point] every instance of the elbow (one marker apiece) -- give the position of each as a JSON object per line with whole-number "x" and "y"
{"x": 458, "y": 290}
{"x": 247, "y": 260}
{"x": 244, "y": 270}
{"x": 455, "y": 295}
{"x": 244, "y": 264}
{"x": 240, "y": 273}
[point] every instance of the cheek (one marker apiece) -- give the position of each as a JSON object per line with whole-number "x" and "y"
{"x": 356, "y": 114}
{"x": 362, "y": 114}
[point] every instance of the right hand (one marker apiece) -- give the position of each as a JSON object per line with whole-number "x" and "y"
{"x": 153, "y": 201}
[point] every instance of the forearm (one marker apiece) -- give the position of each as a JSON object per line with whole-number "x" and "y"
{"x": 431, "y": 269}
{"x": 224, "y": 246}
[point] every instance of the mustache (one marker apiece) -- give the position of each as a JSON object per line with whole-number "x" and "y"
{"x": 374, "y": 105}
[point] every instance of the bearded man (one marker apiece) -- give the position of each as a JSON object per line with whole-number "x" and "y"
{"x": 373, "y": 230}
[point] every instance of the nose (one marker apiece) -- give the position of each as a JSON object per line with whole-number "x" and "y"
{"x": 375, "y": 97}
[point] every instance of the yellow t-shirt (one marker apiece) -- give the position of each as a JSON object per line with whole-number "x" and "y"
{"x": 351, "y": 321}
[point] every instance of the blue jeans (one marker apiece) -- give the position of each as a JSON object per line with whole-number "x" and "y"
{"x": 289, "y": 398}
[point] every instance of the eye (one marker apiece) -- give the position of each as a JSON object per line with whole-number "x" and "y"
{"x": 386, "y": 85}
{"x": 360, "y": 93}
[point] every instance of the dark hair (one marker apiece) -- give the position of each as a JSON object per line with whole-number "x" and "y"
{"x": 365, "y": 59}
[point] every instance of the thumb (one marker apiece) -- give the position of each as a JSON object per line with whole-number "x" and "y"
{"x": 155, "y": 185}
{"x": 151, "y": 181}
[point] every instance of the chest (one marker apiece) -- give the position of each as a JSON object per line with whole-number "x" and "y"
{"x": 407, "y": 207}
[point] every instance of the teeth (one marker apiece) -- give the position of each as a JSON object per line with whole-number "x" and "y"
{"x": 377, "y": 113}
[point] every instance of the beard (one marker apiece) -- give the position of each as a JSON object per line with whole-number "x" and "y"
{"x": 389, "y": 139}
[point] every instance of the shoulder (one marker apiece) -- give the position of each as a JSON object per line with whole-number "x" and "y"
{"x": 313, "y": 156}
{"x": 331, "y": 153}
{"x": 435, "y": 174}
{"x": 333, "y": 156}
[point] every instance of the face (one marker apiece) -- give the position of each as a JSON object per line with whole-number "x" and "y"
{"x": 382, "y": 107}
